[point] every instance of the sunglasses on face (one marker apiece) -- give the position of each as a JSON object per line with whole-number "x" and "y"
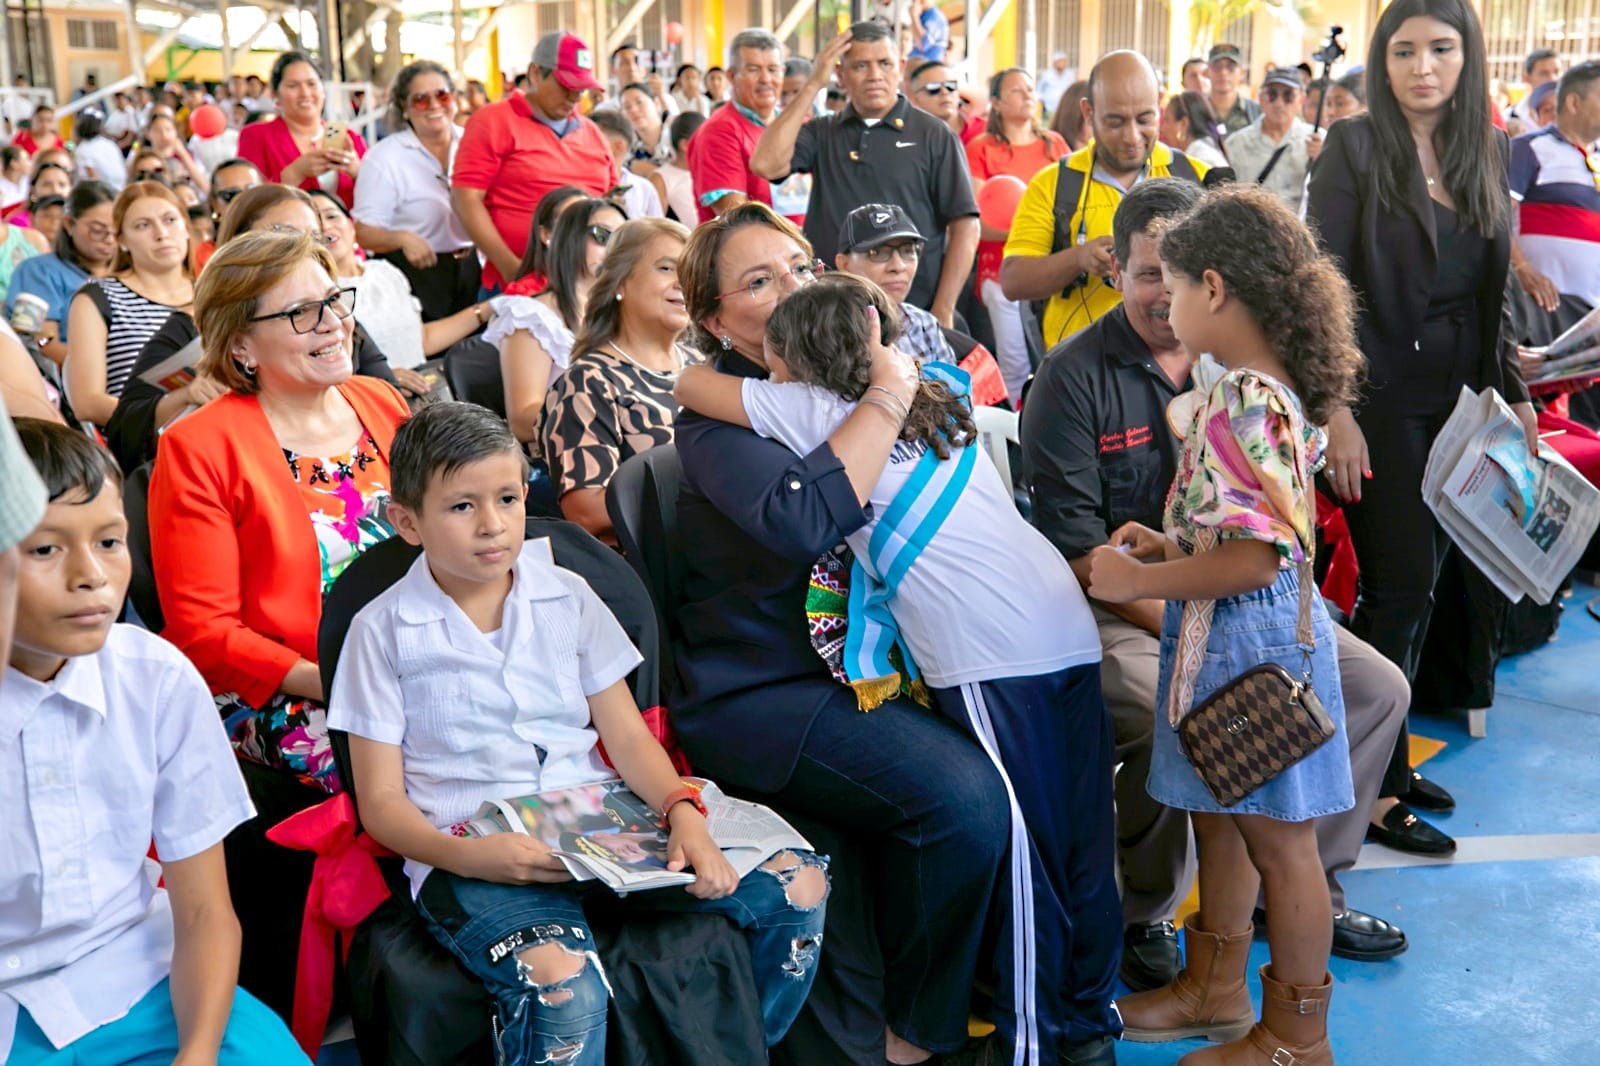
{"x": 437, "y": 98}
{"x": 934, "y": 88}
{"x": 1271, "y": 94}
{"x": 150, "y": 173}
{"x": 307, "y": 317}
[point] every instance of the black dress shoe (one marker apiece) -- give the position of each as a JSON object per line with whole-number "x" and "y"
{"x": 1366, "y": 938}
{"x": 1404, "y": 831}
{"x": 1150, "y": 955}
{"x": 1101, "y": 1051}
{"x": 1427, "y": 795}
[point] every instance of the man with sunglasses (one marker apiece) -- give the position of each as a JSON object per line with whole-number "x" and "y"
{"x": 1272, "y": 151}
{"x": 229, "y": 178}
{"x": 934, "y": 89}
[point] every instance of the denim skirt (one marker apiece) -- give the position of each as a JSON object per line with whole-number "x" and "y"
{"x": 1247, "y": 631}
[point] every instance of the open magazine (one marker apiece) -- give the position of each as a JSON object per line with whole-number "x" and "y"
{"x": 603, "y": 831}
{"x": 1523, "y": 520}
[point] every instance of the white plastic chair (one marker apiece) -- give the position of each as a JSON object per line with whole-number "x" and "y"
{"x": 997, "y": 427}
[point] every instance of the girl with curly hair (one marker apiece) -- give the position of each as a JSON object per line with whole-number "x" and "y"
{"x": 1250, "y": 287}
{"x": 954, "y": 600}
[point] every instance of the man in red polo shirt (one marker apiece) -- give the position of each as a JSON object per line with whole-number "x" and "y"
{"x": 719, "y": 152}
{"x": 516, "y": 150}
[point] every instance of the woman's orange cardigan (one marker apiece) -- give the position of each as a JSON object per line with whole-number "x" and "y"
{"x": 236, "y": 560}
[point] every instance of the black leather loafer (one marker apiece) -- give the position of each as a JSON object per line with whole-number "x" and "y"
{"x": 1366, "y": 938}
{"x": 1150, "y": 956}
{"x": 1402, "y": 830}
{"x": 1427, "y": 795}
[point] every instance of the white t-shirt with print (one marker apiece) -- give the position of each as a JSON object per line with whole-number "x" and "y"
{"x": 989, "y": 597}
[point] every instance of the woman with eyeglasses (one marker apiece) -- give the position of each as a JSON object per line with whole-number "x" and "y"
{"x": 112, "y": 317}
{"x": 402, "y": 202}
{"x": 759, "y": 706}
{"x": 535, "y": 321}
{"x": 389, "y": 312}
{"x": 258, "y": 502}
{"x": 615, "y": 399}
{"x": 83, "y": 249}
{"x": 146, "y": 408}
{"x": 300, "y": 149}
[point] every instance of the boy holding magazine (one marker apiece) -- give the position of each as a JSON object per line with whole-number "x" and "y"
{"x": 487, "y": 672}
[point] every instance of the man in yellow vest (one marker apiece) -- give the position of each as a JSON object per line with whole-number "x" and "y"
{"x": 1060, "y": 243}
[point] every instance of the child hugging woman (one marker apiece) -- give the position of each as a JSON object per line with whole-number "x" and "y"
{"x": 953, "y": 599}
{"x": 1250, "y": 288}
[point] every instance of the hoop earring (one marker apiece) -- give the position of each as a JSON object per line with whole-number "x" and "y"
{"x": 247, "y": 369}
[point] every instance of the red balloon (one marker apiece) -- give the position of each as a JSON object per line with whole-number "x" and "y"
{"x": 674, "y": 32}
{"x": 998, "y": 200}
{"x": 207, "y": 121}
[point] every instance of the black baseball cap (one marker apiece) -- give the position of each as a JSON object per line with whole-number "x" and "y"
{"x": 1224, "y": 51}
{"x": 873, "y": 224}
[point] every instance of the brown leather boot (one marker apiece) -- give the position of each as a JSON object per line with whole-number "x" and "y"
{"x": 1208, "y": 997}
{"x": 1293, "y": 1030}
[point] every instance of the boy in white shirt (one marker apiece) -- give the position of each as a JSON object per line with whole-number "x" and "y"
{"x": 488, "y": 672}
{"x": 989, "y": 624}
{"x": 109, "y": 739}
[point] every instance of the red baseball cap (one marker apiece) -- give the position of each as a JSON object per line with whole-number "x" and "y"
{"x": 568, "y": 58}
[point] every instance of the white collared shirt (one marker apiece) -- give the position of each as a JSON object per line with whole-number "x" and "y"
{"x": 123, "y": 747}
{"x": 473, "y": 722}
{"x": 402, "y": 187}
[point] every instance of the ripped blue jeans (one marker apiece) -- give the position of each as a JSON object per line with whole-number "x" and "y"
{"x": 490, "y": 927}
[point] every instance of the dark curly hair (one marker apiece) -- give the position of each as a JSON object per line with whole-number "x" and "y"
{"x": 1270, "y": 262}
{"x": 820, "y": 332}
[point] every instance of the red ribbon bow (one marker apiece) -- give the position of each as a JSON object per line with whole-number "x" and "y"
{"x": 346, "y": 887}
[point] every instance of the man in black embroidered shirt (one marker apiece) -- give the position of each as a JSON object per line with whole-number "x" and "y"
{"x": 1097, "y": 453}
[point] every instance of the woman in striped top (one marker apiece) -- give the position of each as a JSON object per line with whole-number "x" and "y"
{"x": 112, "y": 317}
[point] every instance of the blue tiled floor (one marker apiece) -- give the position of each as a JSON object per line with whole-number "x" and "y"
{"x": 1505, "y": 956}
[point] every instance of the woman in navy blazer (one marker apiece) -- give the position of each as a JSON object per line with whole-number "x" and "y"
{"x": 1411, "y": 199}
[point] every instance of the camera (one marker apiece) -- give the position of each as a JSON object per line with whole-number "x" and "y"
{"x": 1333, "y": 51}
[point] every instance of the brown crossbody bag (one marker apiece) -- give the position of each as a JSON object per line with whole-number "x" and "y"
{"x": 1263, "y": 721}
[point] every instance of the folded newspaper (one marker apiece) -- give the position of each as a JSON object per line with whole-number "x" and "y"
{"x": 177, "y": 369}
{"x": 1523, "y": 520}
{"x": 1574, "y": 355}
{"x": 603, "y": 831}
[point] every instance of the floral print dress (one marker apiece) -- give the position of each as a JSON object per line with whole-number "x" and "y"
{"x": 346, "y": 498}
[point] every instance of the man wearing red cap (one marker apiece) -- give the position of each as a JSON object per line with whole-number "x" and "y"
{"x": 516, "y": 150}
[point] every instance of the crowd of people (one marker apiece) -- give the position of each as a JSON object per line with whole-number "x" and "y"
{"x": 1226, "y": 321}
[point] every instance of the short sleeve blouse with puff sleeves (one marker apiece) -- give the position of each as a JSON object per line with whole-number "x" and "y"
{"x": 513, "y": 313}
{"x": 1244, "y": 437}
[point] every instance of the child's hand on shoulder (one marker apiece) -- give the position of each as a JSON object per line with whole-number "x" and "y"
{"x": 1112, "y": 575}
{"x": 691, "y": 845}
{"x": 514, "y": 859}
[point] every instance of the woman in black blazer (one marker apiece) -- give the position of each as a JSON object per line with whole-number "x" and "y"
{"x": 1411, "y": 198}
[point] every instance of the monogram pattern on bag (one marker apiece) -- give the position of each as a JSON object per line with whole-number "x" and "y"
{"x": 1252, "y": 730}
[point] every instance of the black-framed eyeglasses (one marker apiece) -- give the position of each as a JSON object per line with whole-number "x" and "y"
{"x": 764, "y": 285}
{"x": 307, "y": 317}
{"x": 934, "y": 88}
{"x": 600, "y": 234}
{"x": 909, "y": 252}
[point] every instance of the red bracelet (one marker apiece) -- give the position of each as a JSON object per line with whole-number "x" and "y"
{"x": 686, "y": 794}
